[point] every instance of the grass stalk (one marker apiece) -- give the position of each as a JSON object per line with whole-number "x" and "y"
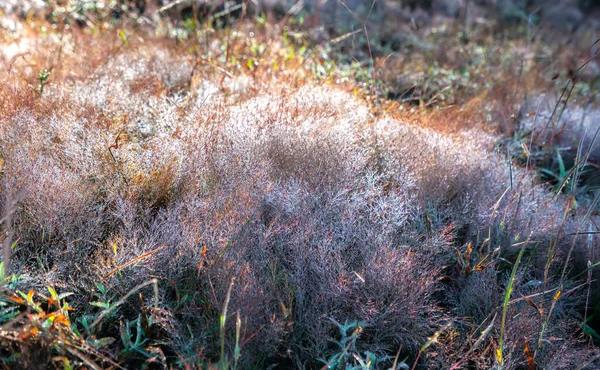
{"x": 237, "y": 351}
{"x": 222, "y": 322}
{"x": 509, "y": 290}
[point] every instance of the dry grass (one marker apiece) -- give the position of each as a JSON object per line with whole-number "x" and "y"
{"x": 151, "y": 160}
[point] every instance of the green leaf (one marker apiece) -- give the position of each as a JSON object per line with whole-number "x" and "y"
{"x": 68, "y": 365}
{"x": 549, "y": 173}
{"x": 104, "y": 305}
{"x": 123, "y": 38}
{"x": 100, "y": 343}
{"x": 561, "y": 164}
{"x": 53, "y": 293}
{"x": 590, "y": 331}
{"x": 65, "y": 295}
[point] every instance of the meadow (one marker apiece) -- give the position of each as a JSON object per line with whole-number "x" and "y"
{"x": 259, "y": 186}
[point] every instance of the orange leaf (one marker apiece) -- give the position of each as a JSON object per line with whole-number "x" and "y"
{"x": 30, "y": 296}
{"x": 499, "y": 356}
{"x": 51, "y": 302}
{"x": 529, "y": 356}
{"x": 556, "y": 295}
{"x": 202, "y": 258}
{"x": 31, "y": 333}
{"x": 482, "y": 267}
{"x": 17, "y": 300}
{"x": 116, "y": 145}
{"x": 469, "y": 250}
{"x": 62, "y": 319}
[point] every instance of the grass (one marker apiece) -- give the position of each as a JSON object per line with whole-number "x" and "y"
{"x": 224, "y": 192}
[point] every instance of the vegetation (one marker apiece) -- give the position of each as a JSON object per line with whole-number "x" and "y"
{"x": 238, "y": 187}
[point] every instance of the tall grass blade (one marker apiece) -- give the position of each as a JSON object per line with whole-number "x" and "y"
{"x": 222, "y": 322}
{"x": 509, "y": 290}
